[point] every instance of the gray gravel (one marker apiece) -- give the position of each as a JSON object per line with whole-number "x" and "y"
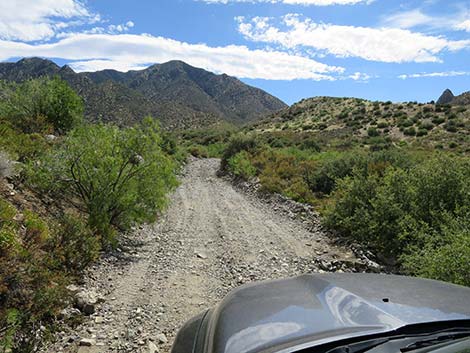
{"x": 212, "y": 238}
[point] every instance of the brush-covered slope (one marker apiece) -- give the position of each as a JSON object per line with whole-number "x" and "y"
{"x": 180, "y": 95}
{"x": 345, "y": 121}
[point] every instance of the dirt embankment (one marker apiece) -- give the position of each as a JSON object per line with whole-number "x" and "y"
{"x": 211, "y": 239}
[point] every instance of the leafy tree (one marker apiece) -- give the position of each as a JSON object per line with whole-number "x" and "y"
{"x": 115, "y": 176}
{"x": 41, "y": 104}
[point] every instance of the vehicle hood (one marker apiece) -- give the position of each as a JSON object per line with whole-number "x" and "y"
{"x": 274, "y": 316}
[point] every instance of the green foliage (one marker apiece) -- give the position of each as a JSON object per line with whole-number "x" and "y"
{"x": 406, "y": 209}
{"x": 74, "y": 245}
{"x": 40, "y": 105}
{"x": 119, "y": 176}
{"x": 323, "y": 179}
{"x": 410, "y": 131}
{"x": 445, "y": 256}
{"x": 241, "y": 166}
{"x": 237, "y": 144}
{"x": 372, "y": 131}
{"x": 325, "y": 176}
{"x": 31, "y": 292}
{"x": 21, "y": 146}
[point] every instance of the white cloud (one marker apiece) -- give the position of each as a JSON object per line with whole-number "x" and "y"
{"x": 435, "y": 74}
{"x": 295, "y": 2}
{"x": 463, "y": 26}
{"x": 407, "y": 19}
{"x": 391, "y": 45}
{"x": 360, "y": 76}
{"x": 28, "y": 20}
{"x": 93, "y": 52}
{"x": 459, "y": 21}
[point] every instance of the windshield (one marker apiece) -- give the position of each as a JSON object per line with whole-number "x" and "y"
{"x": 444, "y": 341}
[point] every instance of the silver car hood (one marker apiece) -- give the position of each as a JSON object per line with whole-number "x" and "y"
{"x": 275, "y": 316}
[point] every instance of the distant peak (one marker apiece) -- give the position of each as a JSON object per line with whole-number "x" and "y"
{"x": 67, "y": 69}
{"x": 35, "y": 60}
{"x": 446, "y": 97}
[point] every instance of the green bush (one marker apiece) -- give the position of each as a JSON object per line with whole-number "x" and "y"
{"x": 31, "y": 292}
{"x": 40, "y": 104}
{"x": 324, "y": 178}
{"x": 382, "y": 124}
{"x": 241, "y": 166}
{"x": 422, "y": 132}
{"x": 73, "y": 244}
{"x": 438, "y": 120}
{"x": 118, "y": 176}
{"x": 411, "y": 131}
{"x": 237, "y": 144}
{"x": 372, "y": 131}
{"x": 451, "y": 126}
{"x": 405, "y": 209}
{"x": 446, "y": 256}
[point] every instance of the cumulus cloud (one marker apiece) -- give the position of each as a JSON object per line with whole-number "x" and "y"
{"x": 295, "y": 2}
{"x": 390, "y": 45}
{"x": 40, "y": 19}
{"x": 91, "y": 52}
{"x": 435, "y": 74}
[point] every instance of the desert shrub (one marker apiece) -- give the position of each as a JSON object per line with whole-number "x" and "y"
{"x": 410, "y": 131}
{"x": 309, "y": 144}
{"x": 428, "y": 109}
{"x": 372, "y": 132}
{"x": 73, "y": 244}
{"x": 237, "y": 144}
{"x": 241, "y": 166}
{"x": 407, "y": 123}
{"x": 31, "y": 292}
{"x": 382, "y": 124}
{"x": 21, "y": 146}
{"x": 451, "y": 126}
{"x": 445, "y": 256}
{"x": 404, "y": 209}
{"x": 118, "y": 176}
{"x": 330, "y": 170}
{"x": 421, "y": 132}
{"x": 427, "y": 125}
{"x": 198, "y": 151}
{"x": 438, "y": 120}
{"x": 42, "y": 104}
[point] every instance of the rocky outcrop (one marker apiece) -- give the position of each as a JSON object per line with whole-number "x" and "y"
{"x": 446, "y": 97}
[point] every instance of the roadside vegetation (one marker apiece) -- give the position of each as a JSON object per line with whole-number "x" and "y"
{"x": 404, "y": 196}
{"x": 67, "y": 188}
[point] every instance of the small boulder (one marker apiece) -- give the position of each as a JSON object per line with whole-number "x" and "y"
{"x": 86, "y": 301}
{"x": 152, "y": 348}
{"x": 201, "y": 254}
{"x": 161, "y": 338}
{"x": 87, "y": 342}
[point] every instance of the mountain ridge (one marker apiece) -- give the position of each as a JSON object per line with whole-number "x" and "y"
{"x": 178, "y": 94}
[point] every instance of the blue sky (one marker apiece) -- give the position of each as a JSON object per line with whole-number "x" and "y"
{"x": 375, "y": 49}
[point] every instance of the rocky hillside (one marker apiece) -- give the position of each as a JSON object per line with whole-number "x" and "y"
{"x": 178, "y": 94}
{"x": 342, "y": 121}
{"x": 448, "y": 98}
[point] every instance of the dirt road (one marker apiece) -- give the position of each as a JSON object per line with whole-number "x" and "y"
{"x": 211, "y": 239}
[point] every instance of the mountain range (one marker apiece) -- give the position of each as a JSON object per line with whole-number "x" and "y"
{"x": 179, "y": 95}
